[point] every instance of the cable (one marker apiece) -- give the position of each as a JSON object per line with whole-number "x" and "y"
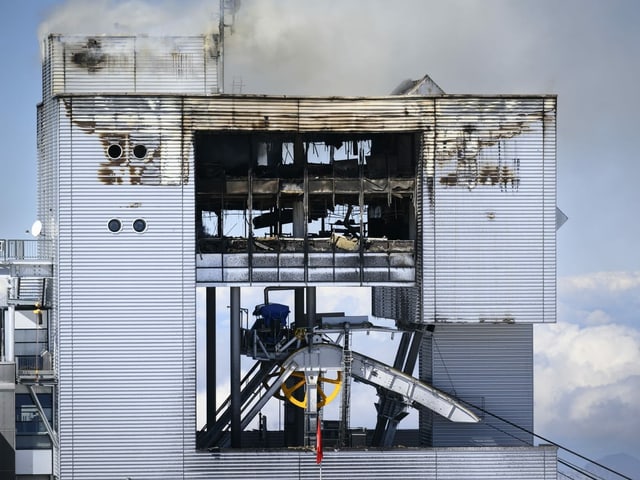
{"x": 564, "y": 475}
{"x": 433, "y": 339}
{"x": 564, "y": 462}
{"x": 508, "y": 434}
{"x": 582, "y": 471}
{"x": 546, "y": 440}
{"x": 528, "y": 431}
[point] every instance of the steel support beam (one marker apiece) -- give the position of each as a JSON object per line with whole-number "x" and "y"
{"x": 211, "y": 354}
{"x": 391, "y": 407}
{"x": 294, "y": 416}
{"x": 311, "y": 306}
{"x": 9, "y": 334}
{"x": 236, "y": 403}
{"x": 43, "y": 417}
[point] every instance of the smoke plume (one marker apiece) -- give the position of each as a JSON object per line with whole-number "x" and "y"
{"x": 131, "y": 17}
{"x": 307, "y": 47}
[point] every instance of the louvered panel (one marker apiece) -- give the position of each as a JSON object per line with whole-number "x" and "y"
{"x": 381, "y": 305}
{"x": 397, "y": 303}
{"x": 536, "y": 463}
{"x": 495, "y": 373}
{"x": 127, "y": 305}
{"x": 126, "y": 64}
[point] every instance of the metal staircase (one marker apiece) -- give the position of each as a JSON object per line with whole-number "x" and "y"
{"x": 30, "y": 289}
{"x": 30, "y": 271}
{"x": 218, "y": 434}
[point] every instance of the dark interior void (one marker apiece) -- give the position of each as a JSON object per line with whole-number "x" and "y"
{"x": 283, "y": 190}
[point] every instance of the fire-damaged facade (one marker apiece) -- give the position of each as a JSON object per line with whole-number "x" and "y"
{"x": 460, "y": 187}
{"x": 352, "y": 193}
{"x": 154, "y": 184}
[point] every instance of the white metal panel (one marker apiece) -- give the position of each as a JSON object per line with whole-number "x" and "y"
{"x": 96, "y": 64}
{"x": 489, "y": 366}
{"x": 134, "y": 64}
{"x": 512, "y": 464}
{"x": 493, "y": 198}
{"x": 176, "y": 65}
{"x": 34, "y": 462}
{"x": 127, "y": 299}
{"x": 487, "y": 216}
{"x": 400, "y": 114}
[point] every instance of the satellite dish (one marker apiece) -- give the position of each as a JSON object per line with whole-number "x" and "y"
{"x": 36, "y": 228}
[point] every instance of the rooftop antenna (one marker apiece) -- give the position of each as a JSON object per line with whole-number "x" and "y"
{"x": 237, "y": 85}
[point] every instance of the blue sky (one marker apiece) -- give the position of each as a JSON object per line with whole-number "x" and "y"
{"x": 585, "y": 51}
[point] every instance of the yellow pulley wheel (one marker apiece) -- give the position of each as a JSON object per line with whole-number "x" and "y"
{"x": 323, "y": 398}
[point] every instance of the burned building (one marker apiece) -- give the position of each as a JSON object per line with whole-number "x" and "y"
{"x": 154, "y": 183}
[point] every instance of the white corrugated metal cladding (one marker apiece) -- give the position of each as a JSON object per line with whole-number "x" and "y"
{"x": 127, "y": 304}
{"x": 506, "y": 463}
{"x": 125, "y": 328}
{"x": 494, "y": 204}
{"x": 134, "y": 64}
{"x": 489, "y": 366}
{"x": 488, "y": 215}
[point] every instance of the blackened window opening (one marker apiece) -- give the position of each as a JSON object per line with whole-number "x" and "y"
{"x": 276, "y": 192}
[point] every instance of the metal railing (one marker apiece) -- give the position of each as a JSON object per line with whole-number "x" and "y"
{"x": 31, "y": 363}
{"x": 12, "y": 250}
{"x": 35, "y": 369}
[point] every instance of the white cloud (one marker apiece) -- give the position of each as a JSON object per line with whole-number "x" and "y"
{"x": 587, "y": 382}
{"x": 600, "y": 282}
{"x": 599, "y": 298}
{"x": 597, "y": 317}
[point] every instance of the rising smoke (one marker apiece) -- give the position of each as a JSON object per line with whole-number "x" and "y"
{"x": 310, "y": 47}
{"x": 118, "y": 17}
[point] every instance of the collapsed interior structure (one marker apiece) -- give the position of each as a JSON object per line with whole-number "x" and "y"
{"x": 317, "y": 195}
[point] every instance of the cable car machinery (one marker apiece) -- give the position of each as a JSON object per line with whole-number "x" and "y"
{"x": 309, "y": 365}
